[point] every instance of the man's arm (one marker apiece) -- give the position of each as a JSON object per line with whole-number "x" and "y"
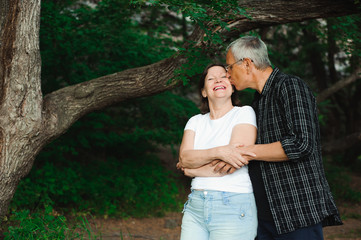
{"x": 271, "y": 152}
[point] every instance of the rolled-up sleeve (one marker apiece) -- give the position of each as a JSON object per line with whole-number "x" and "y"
{"x": 298, "y": 106}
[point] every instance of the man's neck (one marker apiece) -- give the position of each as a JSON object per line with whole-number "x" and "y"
{"x": 261, "y": 78}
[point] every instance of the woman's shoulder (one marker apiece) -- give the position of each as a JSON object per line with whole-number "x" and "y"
{"x": 199, "y": 117}
{"x": 244, "y": 109}
{"x": 246, "y": 114}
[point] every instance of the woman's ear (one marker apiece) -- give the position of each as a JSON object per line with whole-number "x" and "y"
{"x": 204, "y": 94}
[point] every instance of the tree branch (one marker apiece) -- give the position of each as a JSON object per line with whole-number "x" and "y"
{"x": 268, "y": 13}
{"x": 63, "y": 107}
{"x": 339, "y": 85}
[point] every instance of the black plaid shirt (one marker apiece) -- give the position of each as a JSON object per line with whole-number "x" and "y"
{"x": 297, "y": 190}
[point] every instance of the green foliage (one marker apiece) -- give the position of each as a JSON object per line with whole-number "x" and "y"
{"x": 348, "y": 34}
{"x": 130, "y": 187}
{"x": 340, "y": 181}
{"x": 81, "y": 43}
{"x": 46, "y": 225}
{"x": 203, "y": 13}
{"x": 207, "y": 15}
{"x": 198, "y": 59}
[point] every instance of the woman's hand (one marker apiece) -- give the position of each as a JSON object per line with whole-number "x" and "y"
{"x": 223, "y": 167}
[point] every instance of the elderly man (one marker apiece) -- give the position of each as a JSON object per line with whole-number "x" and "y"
{"x": 292, "y": 194}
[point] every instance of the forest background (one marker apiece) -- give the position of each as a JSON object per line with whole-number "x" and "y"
{"x": 108, "y": 163}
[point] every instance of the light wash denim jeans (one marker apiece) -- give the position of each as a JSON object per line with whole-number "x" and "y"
{"x": 215, "y": 215}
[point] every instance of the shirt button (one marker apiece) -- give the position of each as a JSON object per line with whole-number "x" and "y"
{"x": 205, "y": 192}
{"x": 242, "y": 215}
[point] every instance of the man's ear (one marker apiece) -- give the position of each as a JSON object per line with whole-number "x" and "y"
{"x": 248, "y": 65}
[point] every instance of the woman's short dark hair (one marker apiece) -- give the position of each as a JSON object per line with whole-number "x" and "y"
{"x": 204, "y": 100}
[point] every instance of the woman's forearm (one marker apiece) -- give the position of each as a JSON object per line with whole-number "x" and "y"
{"x": 203, "y": 171}
{"x": 242, "y": 134}
{"x": 197, "y": 158}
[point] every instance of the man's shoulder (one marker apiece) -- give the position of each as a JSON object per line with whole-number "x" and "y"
{"x": 288, "y": 84}
{"x": 284, "y": 78}
{"x": 286, "y": 81}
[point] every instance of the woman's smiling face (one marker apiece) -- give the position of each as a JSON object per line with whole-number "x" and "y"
{"x": 216, "y": 83}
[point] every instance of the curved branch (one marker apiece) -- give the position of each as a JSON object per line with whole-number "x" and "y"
{"x": 339, "y": 85}
{"x": 63, "y": 107}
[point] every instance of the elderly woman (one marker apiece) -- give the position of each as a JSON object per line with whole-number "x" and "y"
{"x": 219, "y": 206}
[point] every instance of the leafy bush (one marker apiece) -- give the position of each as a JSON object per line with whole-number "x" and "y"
{"x": 45, "y": 225}
{"x": 137, "y": 187}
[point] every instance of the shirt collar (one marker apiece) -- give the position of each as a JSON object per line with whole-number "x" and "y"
{"x": 269, "y": 82}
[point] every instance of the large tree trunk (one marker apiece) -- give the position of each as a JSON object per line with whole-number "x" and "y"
{"x": 28, "y": 121}
{"x": 20, "y": 94}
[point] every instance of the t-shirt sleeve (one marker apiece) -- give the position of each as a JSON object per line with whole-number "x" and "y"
{"x": 246, "y": 115}
{"x": 192, "y": 123}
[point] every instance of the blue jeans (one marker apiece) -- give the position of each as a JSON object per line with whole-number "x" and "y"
{"x": 215, "y": 215}
{"x": 267, "y": 231}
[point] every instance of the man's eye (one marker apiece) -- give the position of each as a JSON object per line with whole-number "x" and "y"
{"x": 210, "y": 79}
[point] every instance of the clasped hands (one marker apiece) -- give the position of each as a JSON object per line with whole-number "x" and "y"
{"x": 231, "y": 158}
{"x": 236, "y": 156}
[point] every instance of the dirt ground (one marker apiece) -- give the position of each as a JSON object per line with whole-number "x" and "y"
{"x": 168, "y": 227}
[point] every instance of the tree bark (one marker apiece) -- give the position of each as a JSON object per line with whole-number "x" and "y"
{"x": 20, "y": 94}
{"x": 28, "y": 121}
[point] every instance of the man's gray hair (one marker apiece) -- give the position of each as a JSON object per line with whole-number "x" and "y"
{"x": 253, "y": 48}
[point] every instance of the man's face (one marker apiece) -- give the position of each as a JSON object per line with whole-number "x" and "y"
{"x": 236, "y": 72}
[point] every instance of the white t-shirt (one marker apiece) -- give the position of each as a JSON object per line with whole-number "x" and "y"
{"x": 213, "y": 133}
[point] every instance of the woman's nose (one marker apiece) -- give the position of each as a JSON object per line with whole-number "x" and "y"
{"x": 219, "y": 79}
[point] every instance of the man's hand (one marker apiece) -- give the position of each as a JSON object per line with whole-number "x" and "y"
{"x": 234, "y": 155}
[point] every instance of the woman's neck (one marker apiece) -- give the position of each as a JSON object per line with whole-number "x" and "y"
{"x": 219, "y": 109}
